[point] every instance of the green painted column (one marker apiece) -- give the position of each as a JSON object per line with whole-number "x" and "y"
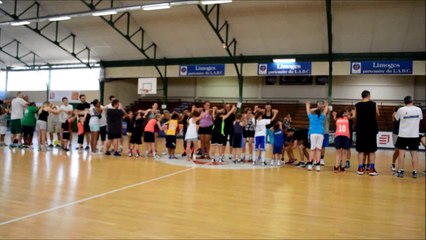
{"x": 48, "y": 85}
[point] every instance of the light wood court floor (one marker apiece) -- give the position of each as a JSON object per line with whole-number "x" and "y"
{"x": 72, "y": 195}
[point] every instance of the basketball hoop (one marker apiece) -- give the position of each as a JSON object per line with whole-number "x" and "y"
{"x": 144, "y": 92}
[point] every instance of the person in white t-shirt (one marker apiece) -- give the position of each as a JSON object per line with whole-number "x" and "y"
{"x": 260, "y": 137}
{"x": 409, "y": 118}
{"x": 17, "y": 113}
{"x": 66, "y": 111}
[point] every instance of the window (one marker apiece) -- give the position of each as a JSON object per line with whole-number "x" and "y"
{"x": 2, "y": 81}
{"x": 27, "y": 81}
{"x": 75, "y": 79}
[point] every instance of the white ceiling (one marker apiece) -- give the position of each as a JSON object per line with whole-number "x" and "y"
{"x": 260, "y": 27}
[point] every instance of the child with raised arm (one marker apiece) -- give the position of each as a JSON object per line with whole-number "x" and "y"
{"x": 260, "y": 137}
{"x": 341, "y": 140}
{"x": 67, "y": 130}
{"x": 316, "y": 133}
{"x": 237, "y": 143}
{"x": 191, "y": 136}
{"x": 218, "y": 136}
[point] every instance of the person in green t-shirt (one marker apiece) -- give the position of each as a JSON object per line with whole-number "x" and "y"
{"x": 28, "y": 123}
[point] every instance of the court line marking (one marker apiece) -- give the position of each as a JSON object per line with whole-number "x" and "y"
{"x": 94, "y": 197}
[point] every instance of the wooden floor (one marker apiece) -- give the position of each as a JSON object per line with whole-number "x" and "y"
{"x": 72, "y": 195}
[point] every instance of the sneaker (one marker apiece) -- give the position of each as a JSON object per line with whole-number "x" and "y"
{"x": 341, "y": 169}
{"x": 51, "y": 145}
{"x": 107, "y": 153}
{"x": 291, "y": 161}
{"x": 57, "y": 146}
{"x": 87, "y": 148}
{"x": 254, "y": 162}
{"x": 184, "y": 154}
{"x": 318, "y": 167}
{"x": 264, "y": 164}
{"x": 138, "y": 155}
{"x": 322, "y": 162}
{"x": 414, "y": 174}
{"x": 348, "y": 164}
{"x": 236, "y": 161}
{"x": 66, "y": 149}
{"x": 393, "y": 168}
{"x": 301, "y": 165}
{"x": 156, "y": 156}
{"x": 360, "y": 171}
{"x": 117, "y": 154}
{"x": 310, "y": 166}
{"x": 336, "y": 169}
{"x": 120, "y": 149}
{"x": 400, "y": 174}
{"x": 221, "y": 159}
{"x": 130, "y": 154}
{"x": 373, "y": 172}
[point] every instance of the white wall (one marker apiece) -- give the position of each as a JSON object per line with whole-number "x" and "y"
{"x": 40, "y": 96}
{"x": 420, "y": 90}
{"x": 391, "y": 89}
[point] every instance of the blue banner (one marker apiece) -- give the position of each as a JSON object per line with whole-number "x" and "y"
{"x": 294, "y": 68}
{"x": 202, "y": 70}
{"x": 382, "y": 67}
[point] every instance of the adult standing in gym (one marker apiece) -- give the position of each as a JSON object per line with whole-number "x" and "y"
{"x": 366, "y": 113}
{"x": 409, "y": 118}
{"x": 17, "y": 113}
{"x": 81, "y": 108}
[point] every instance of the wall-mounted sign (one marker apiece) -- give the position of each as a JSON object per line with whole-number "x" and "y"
{"x": 294, "y": 68}
{"x": 200, "y": 70}
{"x": 382, "y": 67}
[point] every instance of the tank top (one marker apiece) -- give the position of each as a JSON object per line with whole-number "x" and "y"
{"x": 219, "y": 126}
{"x": 250, "y": 125}
{"x": 150, "y": 125}
{"x": 43, "y": 116}
{"x": 238, "y": 129}
{"x": 80, "y": 128}
{"x": 206, "y": 121}
{"x": 278, "y": 137}
{"x": 268, "y": 117}
{"x": 191, "y": 132}
{"x": 172, "y": 127}
{"x": 342, "y": 127}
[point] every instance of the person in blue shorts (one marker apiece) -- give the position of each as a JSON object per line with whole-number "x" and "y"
{"x": 278, "y": 142}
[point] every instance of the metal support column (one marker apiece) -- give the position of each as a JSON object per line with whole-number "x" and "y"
{"x": 330, "y": 50}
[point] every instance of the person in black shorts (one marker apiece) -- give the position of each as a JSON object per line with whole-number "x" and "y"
{"x": 114, "y": 119}
{"x": 229, "y": 129}
{"x": 248, "y": 134}
{"x": 366, "y": 113}
{"x": 237, "y": 142}
{"x": 300, "y": 141}
{"x": 136, "y": 136}
{"x": 218, "y": 136}
{"x": 67, "y": 130}
{"x": 81, "y": 107}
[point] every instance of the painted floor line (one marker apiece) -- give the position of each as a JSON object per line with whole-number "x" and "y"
{"x": 93, "y": 197}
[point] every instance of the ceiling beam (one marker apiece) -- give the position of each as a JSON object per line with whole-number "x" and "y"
{"x": 148, "y": 49}
{"x": 38, "y": 29}
{"x": 13, "y": 49}
{"x": 269, "y": 58}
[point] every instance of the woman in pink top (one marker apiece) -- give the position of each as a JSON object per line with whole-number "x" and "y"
{"x": 341, "y": 139}
{"x": 206, "y": 129}
{"x": 149, "y": 135}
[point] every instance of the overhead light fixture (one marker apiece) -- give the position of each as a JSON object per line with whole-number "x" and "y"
{"x": 284, "y": 60}
{"x": 62, "y": 18}
{"x": 1, "y": 2}
{"x": 131, "y": 8}
{"x": 20, "y": 23}
{"x": 104, "y": 13}
{"x": 209, "y": 2}
{"x": 156, "y": 6}
{"x": 180, "y": 3}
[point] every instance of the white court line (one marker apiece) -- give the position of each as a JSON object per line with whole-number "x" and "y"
{"x": 93, "y": 197}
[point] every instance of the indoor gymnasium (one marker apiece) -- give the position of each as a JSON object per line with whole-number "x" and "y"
{"x": 212, "y": 119}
